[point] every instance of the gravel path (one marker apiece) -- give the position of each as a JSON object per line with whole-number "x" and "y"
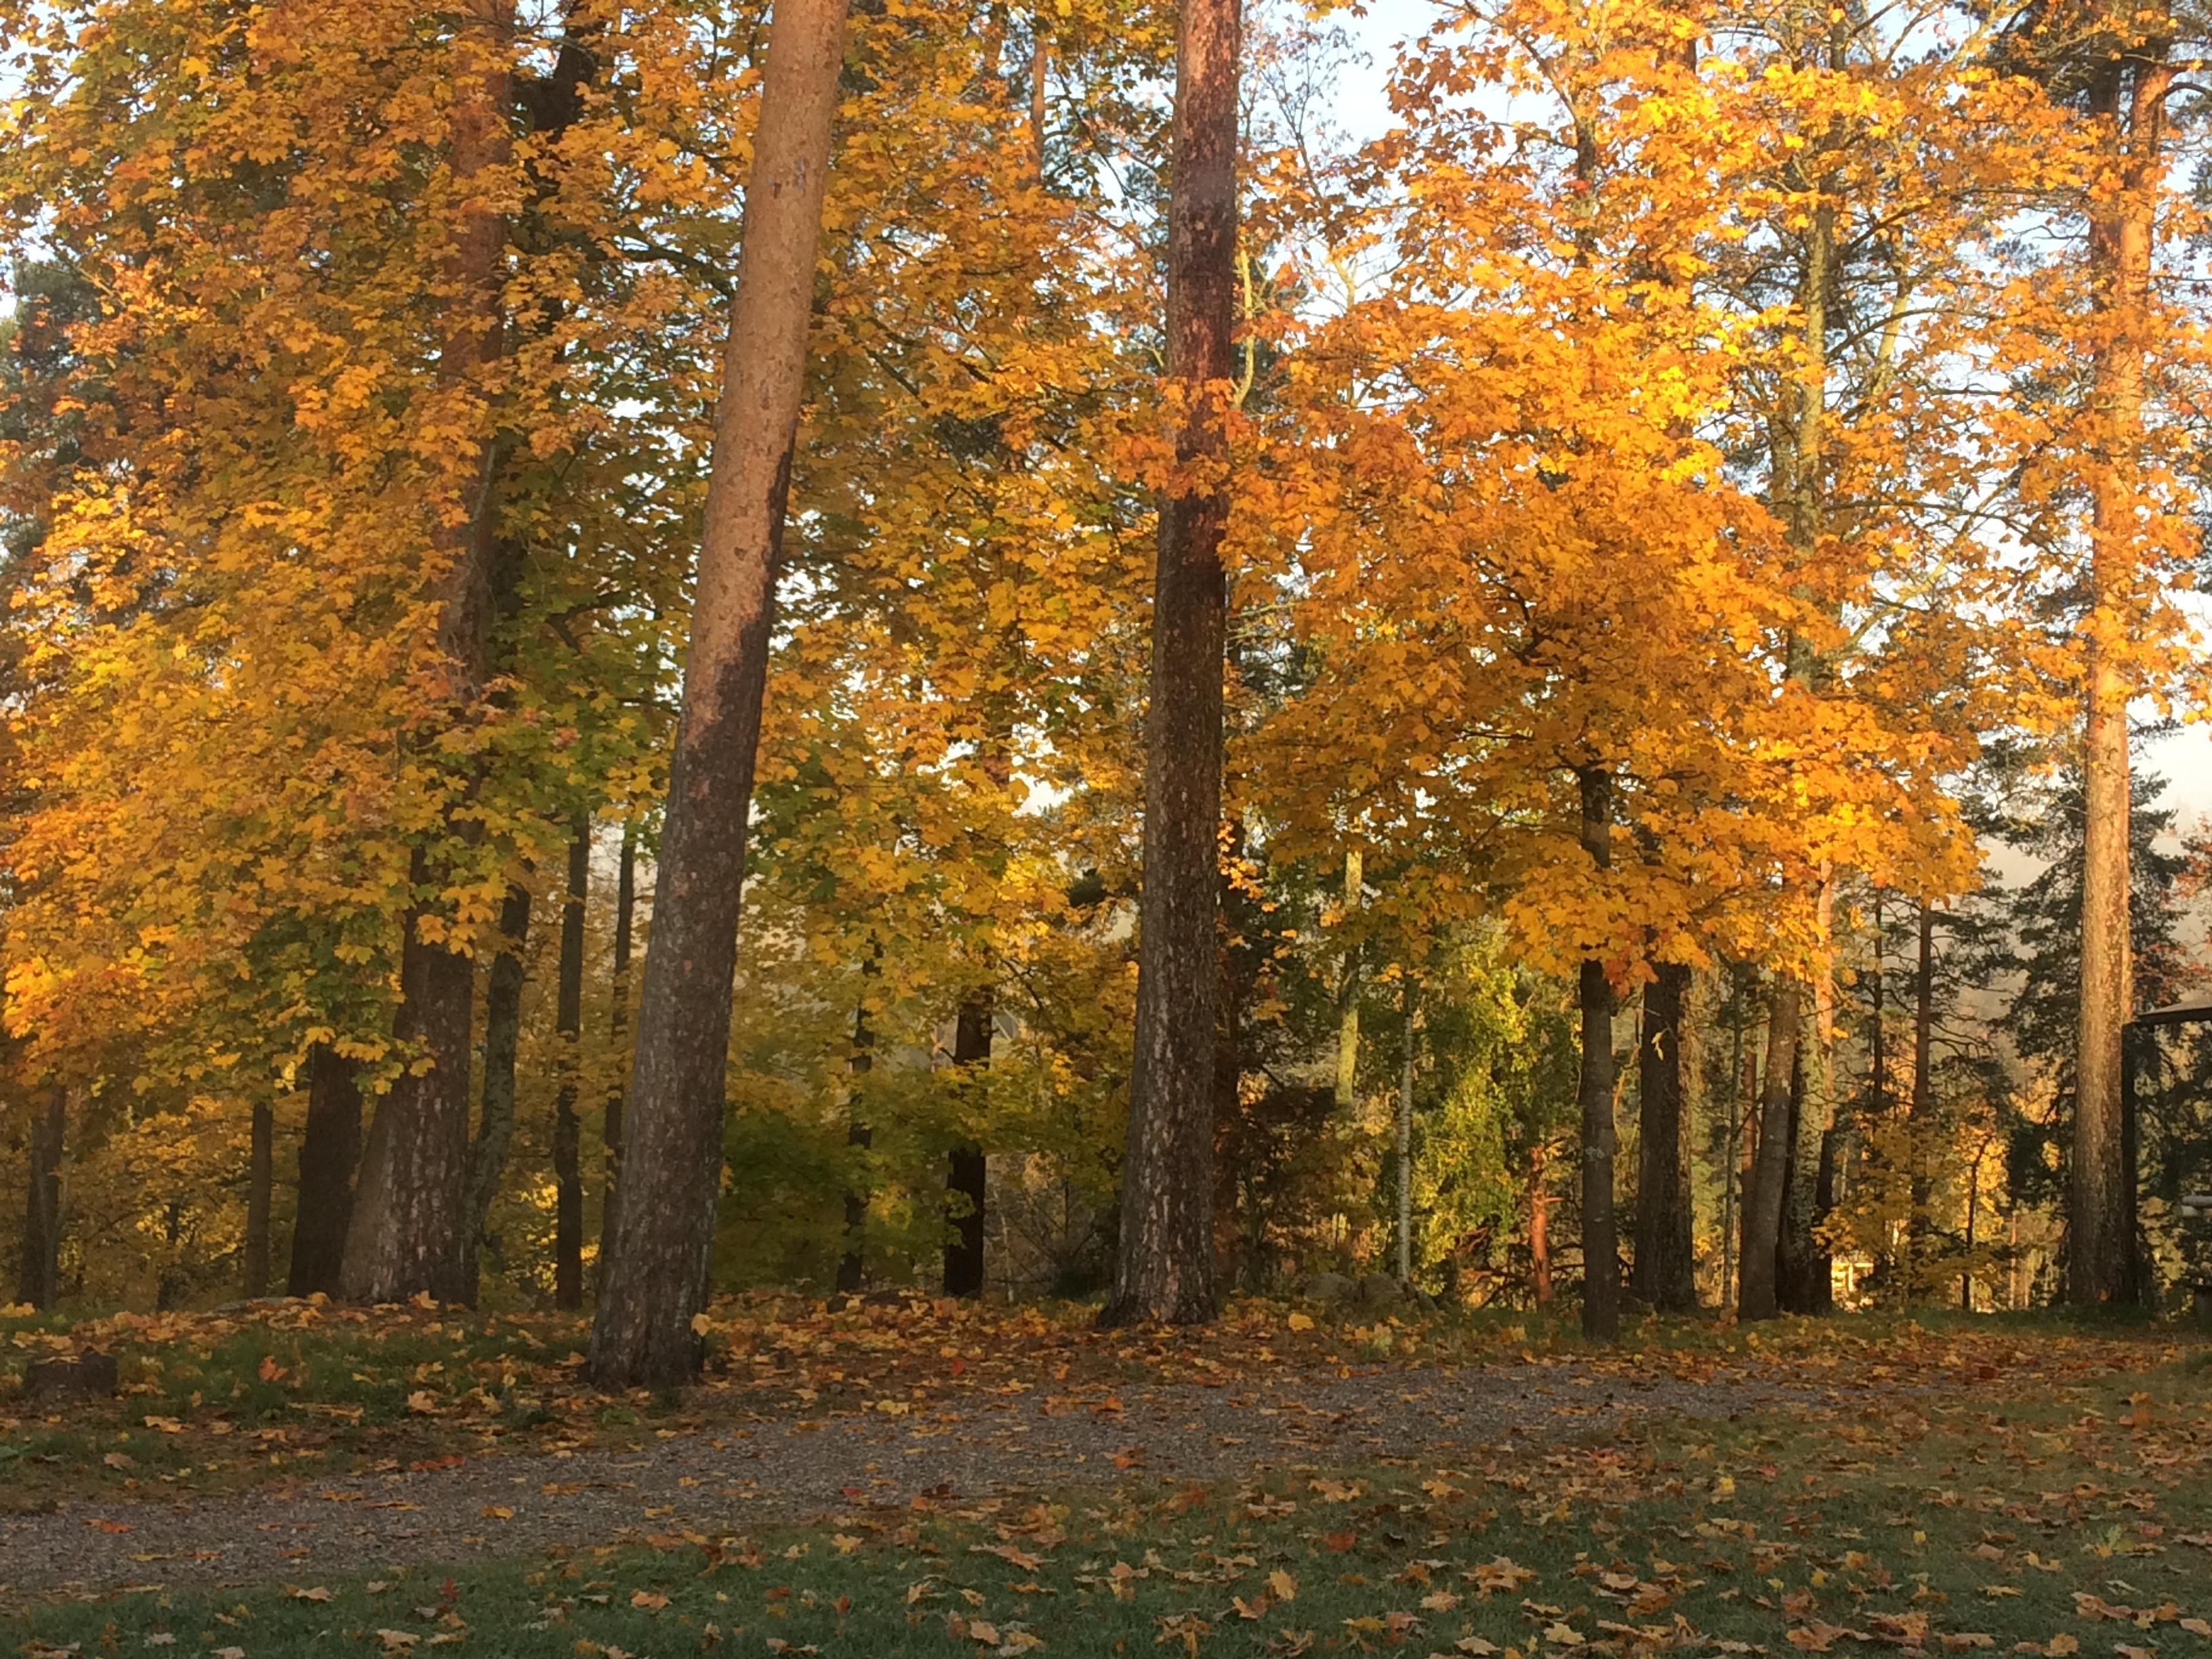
{"x": 764, "y": 1472}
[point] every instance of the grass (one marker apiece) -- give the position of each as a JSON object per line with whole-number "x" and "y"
{"x": 2075, "y": 1519}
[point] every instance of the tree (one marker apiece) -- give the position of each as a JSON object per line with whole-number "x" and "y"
{"x": 657, "y": 1272}
{"x": 1665, "y": 1274}
{"x": 1165, "y": 1270}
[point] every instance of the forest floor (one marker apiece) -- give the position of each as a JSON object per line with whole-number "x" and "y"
{"x": 923, "y": 1477}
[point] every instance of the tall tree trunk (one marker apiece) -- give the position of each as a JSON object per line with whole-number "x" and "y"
{"x": 1540, "y": 1229}
{"x": 1665, "y": 1274}
{"x": 1406, "y": 1148}
{"x": 2101, "y": 1245}
{"x": 1601, "y": 1232}
{"x": 611, "y": 1128}
{"x": 260, "y": 1173}
{"x": 409, "y": 1208}
{"x": 1921, "y": 1106}
{"x": 496, "y": 1105}
{"x": 1732, "y": 1161}
{"x": 39, "y": 1275}
{"x": 1164, "y": 1267}
{"x": 328, "y": 1151}
{"x": 1348, "y": 990}
{"x": 663, "y": 1240}
{"x": 853, "y": 1265}
{"x": 967, "y": 1176}
{"x": 1877, "y": 1028}
{"x": 1806, "y": 1272}
{"x": 568, "y": 1030}
{"x": 1757, "y": 1294}
{"x": 409, "y": 1225}
{"x": 1803, "y": 1282}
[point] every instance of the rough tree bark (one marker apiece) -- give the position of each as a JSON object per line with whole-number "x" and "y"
{"x": 1665, "y": 1274}
{"x": 2130, "y": 98}
{"x": 1921, "y": 1107}
{"x": 409, "y": 1232}
{"x": 502, "y": 1041}
{"x": 1756, "y": 1284}
{"x": 1540, "y": 1229}
{"x": 259, "y": 1179}
{"x": 663, "y": 1237}
{"x": 611, "y": 1123}
{"x": 568, "y": 1027}
{"x": 852, "y": 1264}
{"x": 1348, "y": 990}
{"x": 1163, "y": 1269}
{"x": 328, "y": 1151}
{"x": 39, "y": 1273}
{"x": 1806, "y": 1272}
{"x": 967, "y": 1176}
{"x": 1600, "y": 1227}
{"x": 1405, "y": 1147}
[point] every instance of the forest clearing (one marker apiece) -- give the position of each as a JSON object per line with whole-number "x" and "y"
{"x": 1136, "y": 825}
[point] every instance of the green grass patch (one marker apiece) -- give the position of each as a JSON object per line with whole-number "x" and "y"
{"x": 2078, "y": 1521}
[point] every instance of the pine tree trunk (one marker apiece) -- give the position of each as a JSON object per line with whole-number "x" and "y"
{"x": 967, "y": 1177}
{"x": 502, "y": 1042}
{"x": 328, "y": 1152}
{"x": 39, "y": 1275}
{"x": 1666, "y": 1264}
{"x": 1163, "y": 1269}
{"x": 611, "y": 1128}
{"x": 259, "y": 1178}
{"x": 1601, "y": 1232}
{"x": 568, "y": 1029}
{"x": 1757, "y": 1295}
{"x": 663, "y": 1239}
{"x": 410, "y": 1232}
{"x": 2100, "y": 1244}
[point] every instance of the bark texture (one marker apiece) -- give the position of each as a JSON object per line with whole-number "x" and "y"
{"x": 1665, "y": 1274}
{"x": 568, "y": 1027}
{"x": 1164, "y": 1267}
{"x": 38, "y": 1280}
{"x": 329, "y": 1150}
{"x": 2130, "y": 97}
{"x": 663, "y": 1238}
{"x": 853, "y": 1265}
{"x": 1758, "y": 1288}
{"x": 1601, "y": 1226}
{"x": 409, "y": 1208}
{"x": 1921, "y": 1106}
{"x": 409, "y": 1231}
{"x": 610, "y": 1125}
{"x": 260, "y": 1175}
{"x": 1406, "y": 1148}
{"x": 502, "y": 1041}
{"x": 968, "y": 1172}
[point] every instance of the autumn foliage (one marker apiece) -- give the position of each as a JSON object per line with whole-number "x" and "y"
{"x": 1685, "y": 487}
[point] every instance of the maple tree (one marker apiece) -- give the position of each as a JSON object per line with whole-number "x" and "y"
{"x": 1416, "y": 704}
